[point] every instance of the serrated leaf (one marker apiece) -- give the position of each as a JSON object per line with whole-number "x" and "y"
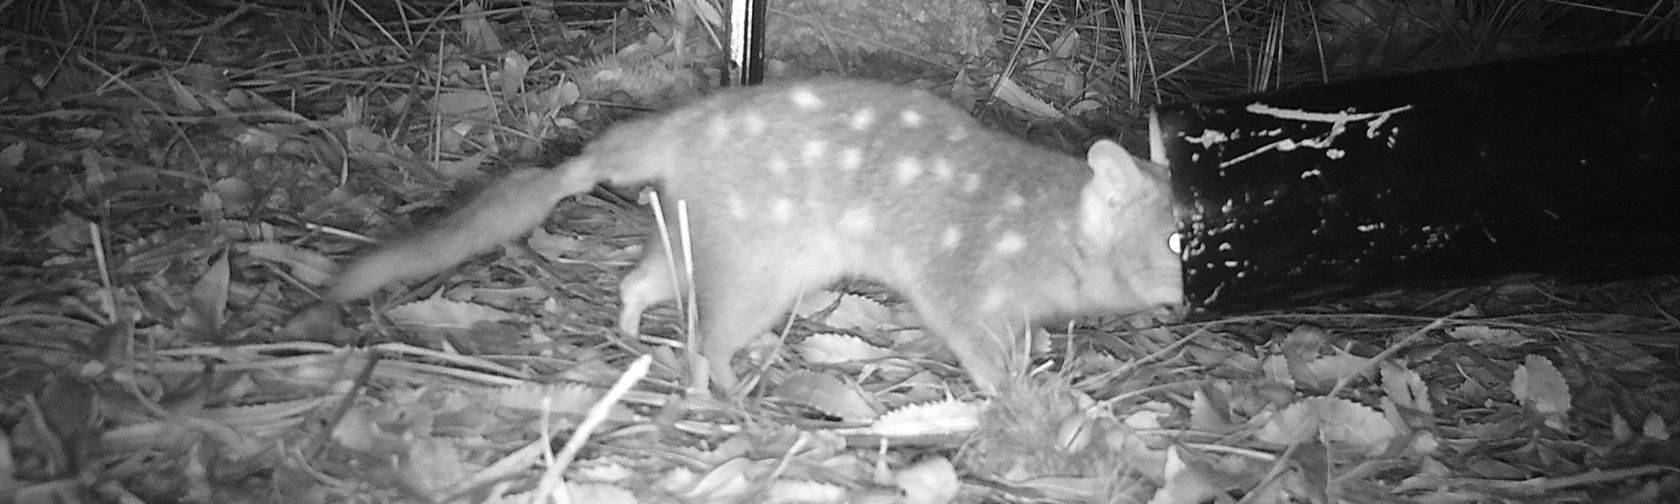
{"x": 826, "y": 393}
{"x": 1406, "y": 388}
{"x": 1333, "y": 420}
{"x": 1014, "y": 95}
{"x": 860, "y": 312}
{"x": 1539, "y": 386}
{"x": 1303, "y": 342}
{"x": 937, "y": 418}
{"x": 445, "y": 314}
{"x": 832, "y": 348}
{"x": 1325, "y": 371}
{"x": 1500, "y": 337}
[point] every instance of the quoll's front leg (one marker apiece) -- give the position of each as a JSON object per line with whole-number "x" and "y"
{"x": 649, "y": 284}
{"x": 983, "y": 344}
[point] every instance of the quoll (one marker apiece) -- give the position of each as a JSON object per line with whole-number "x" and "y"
{"x": 792, "y": 186}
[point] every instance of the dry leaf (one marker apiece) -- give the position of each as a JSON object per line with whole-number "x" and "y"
{"x": 480, "y": 35}
{"x": 1406, "y": 388}
{"x": 1325, "y": 371}
{"x": 466, "y": 167}
{"x": 1207, "y": 416}
{"x": 1183, "y": 483}
{"x": 724, "y": 483}
{"x": 571, "y": 398}
{"x": 826, "y": 393}
{"x": 804, "y": 492}
{"x": 1539, "y": 386}
{"x": 1014, "y": 95}
{"x": 207, "y": 308}
{"x": 1481, "y": 334}
{"x": 1655, "y": 427}
{"x": 445, "y": 314}
{"x": 468, "y": 105}
{"x": 930, "y": 481}
{"x": 938, "y": 418}
{"x": 1332, "y": 420}
{"x": 307, "y": 266}
{"x": 432, "y": 464}
{"x": 834, "y": 348}
{"x": 515, "y": 67}
{"x": 599, "y": 493}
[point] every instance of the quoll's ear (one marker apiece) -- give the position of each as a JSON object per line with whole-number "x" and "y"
{"x": 1114, "y": 166}
{"x": 1117, "y": 172}
{"x": 1117, "y": 181}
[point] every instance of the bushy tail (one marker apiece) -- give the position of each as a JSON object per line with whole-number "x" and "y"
{"x": 504, "y": 211}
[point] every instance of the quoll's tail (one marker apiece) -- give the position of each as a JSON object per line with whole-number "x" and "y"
{"x": 506, "y": 210}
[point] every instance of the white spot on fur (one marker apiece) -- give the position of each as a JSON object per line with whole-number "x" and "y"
{"x": 805, "y": 99}
{"x": 851, "y": 159}
{"x": 718, "y": 130}
{"x": 900, "y": 259}
{"x": 1010, "y": 243}
{"x": 737, "y": 207}
{"x": 951, "y": 237}
{"x": 907, "y": 170}
{"x": 863, "y": 119}
{"x": 943, "y": 170}
{"x": 782, "y": 211}
{"x": 755, "y": 124}
{"x": 1014, "y": 201}
{"x": 911, "y": 118}
{"x": 993, "y": 301}
{"x": 957, "y": 134}
{"x": 857, "y": 220}
{"x": 778, "y": 165}
{"x": 813, "y": 152}
{"x": 971, "y": 182}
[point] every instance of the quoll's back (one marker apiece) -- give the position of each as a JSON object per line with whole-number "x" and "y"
{"x": 793, "y": 186}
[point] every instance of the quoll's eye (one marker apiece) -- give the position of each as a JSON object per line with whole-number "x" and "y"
{"x": 1175, "y": 242}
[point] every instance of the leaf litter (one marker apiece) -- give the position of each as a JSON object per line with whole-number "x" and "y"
{"x": 167, "y": 226}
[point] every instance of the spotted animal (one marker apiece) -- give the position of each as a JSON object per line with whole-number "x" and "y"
{"x": 791, "y": 186}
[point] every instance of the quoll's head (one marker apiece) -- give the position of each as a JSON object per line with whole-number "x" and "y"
{"x": 1129, "y": 207}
